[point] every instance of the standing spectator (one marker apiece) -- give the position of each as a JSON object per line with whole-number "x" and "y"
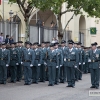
{"x": 1, "y": 37}
{"x": 54, "y": 40}
{"x": 11, "y": 40}
{"x": 7, "y": 39}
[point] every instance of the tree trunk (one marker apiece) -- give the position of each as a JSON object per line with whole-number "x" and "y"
{"x": 27, "y": 31}
{"x": 60, "y": 34}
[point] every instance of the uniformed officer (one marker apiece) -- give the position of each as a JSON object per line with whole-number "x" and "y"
{"x": 19, "y": 67}
{"x": 48, "y": 49}
{"x": 53, "y": 63}
{"x": 76, "y": 71}
{"x": 71, "y": 59}
{"x": 43, "y": 64}
{"x": 86, "y": 56}
{"x": 14, "y": 61}
{"x": 94, "y": 58}
{"x": 63, "y": 72}
{"x": 37, "y": 63}
{"x": 60, "y": 60}
{"x": 4, "y": 62}
{"x": 28, "y": 59}
{"x": 81, "y": 59}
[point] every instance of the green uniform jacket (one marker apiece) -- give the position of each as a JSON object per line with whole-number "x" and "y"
{"x": 95, "y": 58}
{"x": 4, "y": 57}
{"x": 14, "y": 57}
{"x": 71, "y": 59}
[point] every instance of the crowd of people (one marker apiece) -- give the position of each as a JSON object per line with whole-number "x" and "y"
{"x": 7, "y": 40}
{"x": 53, "y": 62}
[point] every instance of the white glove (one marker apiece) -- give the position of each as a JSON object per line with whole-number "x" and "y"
{"x": 83, "y": 63}
{"x": 7, "y": 65}
{"x": 17, "y": 64}
{"x": 21, "y": 62}
{"x": 56, "y": 66}
{"x": 79, "y": 63}
{"x": 65, "y": 59}
{"x": 60, "y": 65}
{"x": 31, "y": 65}
{"x": 89, "y": 60}
{"x": 39, "y": 64}
{"x": 75, "y": 66}
{"x": 45, "y": 63}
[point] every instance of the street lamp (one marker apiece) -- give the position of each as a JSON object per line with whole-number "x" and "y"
{"x": 39, "y": 24}
{"x": 11, "y": 15}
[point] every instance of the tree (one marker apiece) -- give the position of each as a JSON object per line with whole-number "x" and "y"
{"x": 76, "y": 6}
{"x": 92, "y": 7}
{"x": 26, "y": 7}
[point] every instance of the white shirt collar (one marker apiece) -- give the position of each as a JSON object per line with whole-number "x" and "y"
{"x": 35, "y": 49}
{"x": 13, "y": 48}
{"x": 28, "y": 49}
{"x": 53, "y": 50}
{"x": 57, "y": 49}
{"x": 70, "y": 49}
{"x": 95, "y": 50}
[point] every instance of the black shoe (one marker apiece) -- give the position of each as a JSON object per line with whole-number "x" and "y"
{"x": 49, "y": 84}
{"x": 36, "y": 82}
{"x": 26, "y": 84}
{"x": 18, "y": 80}
{"x": 14, "y": 81}
{"x": 10, "y": 82}
{"x": 76, "y": 80}
{"x": 68, "y": 86}
{"x": 56, "y": 83}
{"x": 33, "y": 82}
{"x": 1, "y": 82}
{"x": 92, "y": 87}
{"x": 43, "y": 81}
{"x": 80, "y": 79}
{"x": 96, "y": 87}
{"x": 52, "y": 84}
{"x": 61, "y": 81}
{"x": 73, "y": 86}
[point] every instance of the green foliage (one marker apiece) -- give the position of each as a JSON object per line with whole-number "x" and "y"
{"x": 92, "y": 7}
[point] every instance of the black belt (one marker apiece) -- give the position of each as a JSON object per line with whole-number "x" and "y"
{"x": 27, "y": 61}
{"x": 94, "y": 60}
{"x": 51, "y": 60}
{"x": 12, "y": 59}
{"x": 2, "y": 59}
{"x": 70, "y": 60}
{"x": 36, "y": 59}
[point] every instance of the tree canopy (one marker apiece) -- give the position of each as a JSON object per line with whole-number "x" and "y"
{"x": 92, "y": 7}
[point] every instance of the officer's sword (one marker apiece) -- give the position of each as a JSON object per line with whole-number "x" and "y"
{"x": 79, "y": 70}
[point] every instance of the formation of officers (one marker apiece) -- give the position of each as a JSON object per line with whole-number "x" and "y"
{"x": 54, "y": 62}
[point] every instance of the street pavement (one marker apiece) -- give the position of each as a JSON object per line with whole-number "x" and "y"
{"x": 41, "y": 91}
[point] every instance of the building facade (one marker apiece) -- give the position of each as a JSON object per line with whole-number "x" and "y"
{"x": 80, "y": 27}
